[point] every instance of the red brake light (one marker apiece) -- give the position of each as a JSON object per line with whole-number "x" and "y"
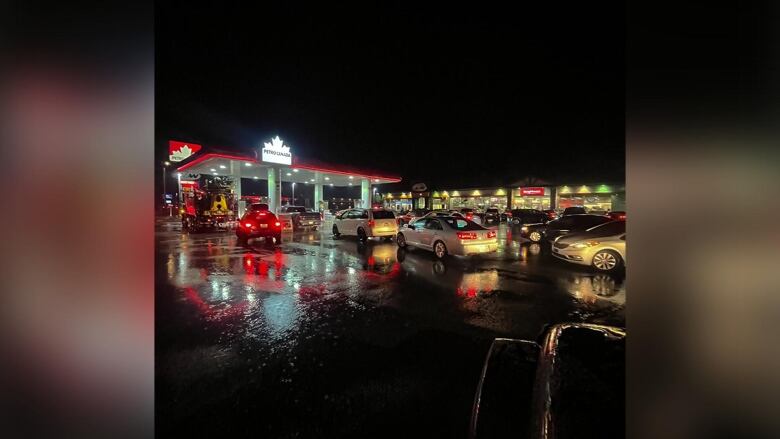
{"x": 371, "y": 223}
{"x": 247, "y": 225}
{"x": 262, "y": 214}
{"x": 467, "y": 235}
{"x": 277, "y": 224}
{"x": 492, "y": 234}
{"x": 469, "y": 216}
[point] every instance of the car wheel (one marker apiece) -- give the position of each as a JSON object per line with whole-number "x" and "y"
{"x": 535, "y": 236}
{"x": 336, "y": 231}
{"x": 362, "y": 237}
{"x": 607, "y": 260}
{"x": 439, "y": 268}
{"x": 400, "y": 240}
{"x": 439, "y": 249}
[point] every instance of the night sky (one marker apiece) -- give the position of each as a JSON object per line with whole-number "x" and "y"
{"x": 452, "y": 97}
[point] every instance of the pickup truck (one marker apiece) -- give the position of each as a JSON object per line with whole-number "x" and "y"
{"x": 302, "y": 217}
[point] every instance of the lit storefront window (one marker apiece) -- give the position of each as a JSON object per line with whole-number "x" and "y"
{"x": 600, "y": 197}
{"x": 532, "y": 198}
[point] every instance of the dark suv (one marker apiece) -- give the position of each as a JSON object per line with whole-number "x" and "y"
{"x": 562, "y": 226}
{"x": 574, "y": 210}
{"x": 492, "y": 216}
{"x": 528, "y": 216}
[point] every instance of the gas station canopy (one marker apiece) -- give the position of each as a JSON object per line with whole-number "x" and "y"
{"x": 274, "y": 163}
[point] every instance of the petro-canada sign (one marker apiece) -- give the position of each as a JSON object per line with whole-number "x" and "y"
{"x": 276, "y": 151}
{"x": 178, "y": 151}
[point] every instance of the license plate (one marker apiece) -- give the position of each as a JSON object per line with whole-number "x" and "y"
{"x": 263, "y": 226}
{"x": 311, "y": 222}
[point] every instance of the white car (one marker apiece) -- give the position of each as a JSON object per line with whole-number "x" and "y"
{"x": 365, "y": 223}
{"x": 603, "y": 247}
{"x": 448, "y": 235}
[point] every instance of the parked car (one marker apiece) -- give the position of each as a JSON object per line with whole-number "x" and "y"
{"x": 546, "y": 388}
{"x": 471, "y": 215}
{"x": 562, "y": 226}
{"x": 597, "y": 212}
{"x": 603, "y": 247}
{"x": 617, "y": 215}
{"x": 259, "y": 222}
{"x": 448, "y": 235}
{"x": 302, "y": 217}
{"x": 408, "y": 216}
{"x": 365, "y": 224}
{"x": 528, "y": 216}
{"x": 506, "y": 215}
{"x": 551, "y": 214}
{"x": 574, "y": 210}
{"x": 492, "y": 216}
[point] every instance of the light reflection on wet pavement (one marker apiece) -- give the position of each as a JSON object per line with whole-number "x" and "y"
{"x": 330, "y": 338}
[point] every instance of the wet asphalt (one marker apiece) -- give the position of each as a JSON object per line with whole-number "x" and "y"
{"x": 324, "y": 337}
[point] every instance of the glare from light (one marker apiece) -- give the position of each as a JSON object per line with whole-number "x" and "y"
{"x": 222, "y": 166}
{"x": 295, "y": 170}
{"x": 351, "y": 177}
{"x": 288, "y": 174}
{"x": 213, "y": 170}
{"x": 331, "y": 184}
{"x": 247, "y": 164}
{"x": 376, "y": 180}
{"x": 327, "y": 178}
{"x": 255, "y": 177}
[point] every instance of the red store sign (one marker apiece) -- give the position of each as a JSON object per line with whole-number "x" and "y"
{"x": 532, "y": 191}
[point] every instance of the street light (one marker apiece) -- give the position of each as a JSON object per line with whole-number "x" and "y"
{"x": 293, "y": 193}
{"x": 165, "y": 191}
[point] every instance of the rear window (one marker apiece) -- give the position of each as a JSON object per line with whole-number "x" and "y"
{"x": 383, "y": 214}
{"x": 588, "y": 221}
{"x": 462, "y": 224}
{"x": 296, "y": 209}
{"x": 492, "y": 211}
{"x": 466, "y": 210}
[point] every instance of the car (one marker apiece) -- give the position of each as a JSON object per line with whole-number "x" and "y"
{"x": 551, "y": 214}
{"x": 471, "y": 215}
{"x": 302, "y": 217}
{"x": 408, "y": 216}
{"x": 259, "y": 222}
{"x": 528, "y": 216}
{"x": 574, "y": 210}
{"x": 618, "y": 215}
{"x": 597, "y": 212}
{"x": 492, "y": 216}
{"x": 603, "y": 247}
{"x": 562, "y": 226}
{"x": 448, "y": 235}
{"x": 365, "y": 224}
{"x": 546, "y": 388}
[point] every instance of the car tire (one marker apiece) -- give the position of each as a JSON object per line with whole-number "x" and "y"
{"x": 400, "y": 239}
{"x": 361, "y": 234}
{"x": 535, "y": 236}
{"x": 336, "y": 233}
{"x": 440, "y": 249}
{"x": 607, "y": 261}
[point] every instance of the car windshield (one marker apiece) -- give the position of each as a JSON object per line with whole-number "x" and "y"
{"x": 462, "y": 224}
{"x": 296, "y": 209}
{"x": 383, "y": 214}
{"x": 609, "y": 229}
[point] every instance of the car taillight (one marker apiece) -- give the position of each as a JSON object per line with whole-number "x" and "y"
{"x": 278, "y": 224}
{"x": 469, "y": 216}
{"x": 247, "y": 225}
{"x": 509, "y": 214}
{"x": 467, "y": 235}
{"x": 371, "y": 223}
{"x": 492, "y": 234}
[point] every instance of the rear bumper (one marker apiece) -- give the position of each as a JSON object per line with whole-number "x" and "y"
{"x": 477, "y": 248}
{"x": 383, "y": 233}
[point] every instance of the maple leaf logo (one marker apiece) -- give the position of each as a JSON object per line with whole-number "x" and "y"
{"x": 277, "y": 144}
{"x": 185, "y": 151}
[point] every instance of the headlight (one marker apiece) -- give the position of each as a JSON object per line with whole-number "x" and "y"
{"x": 585, "y": 244}
{"x": 524, "y": 228}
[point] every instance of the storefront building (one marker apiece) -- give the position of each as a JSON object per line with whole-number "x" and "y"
{"x": 606, "y": 197}
{"x": 534, "y": 197}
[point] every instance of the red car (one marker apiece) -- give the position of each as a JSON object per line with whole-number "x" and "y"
{"x": 617, "y": 215}
{"x": 259, "y": 222}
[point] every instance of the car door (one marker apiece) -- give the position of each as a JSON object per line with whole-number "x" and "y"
{"x": 346, "y": 223}
{"x": 413, "y": 231}
{"x": 430, "y": 232}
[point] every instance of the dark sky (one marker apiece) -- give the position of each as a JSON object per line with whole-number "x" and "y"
{"x": 456, "y": 96}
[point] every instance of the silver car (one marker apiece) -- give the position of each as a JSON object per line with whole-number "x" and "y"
{"x": 603, "y": 247}
{"x": 448, "y": 235}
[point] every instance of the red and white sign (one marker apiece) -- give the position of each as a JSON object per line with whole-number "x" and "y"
{"x": 178, "y": 151}
{"x": 532, "y": 191}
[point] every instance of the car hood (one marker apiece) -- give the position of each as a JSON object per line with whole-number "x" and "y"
{"x": 574, "y": 237}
